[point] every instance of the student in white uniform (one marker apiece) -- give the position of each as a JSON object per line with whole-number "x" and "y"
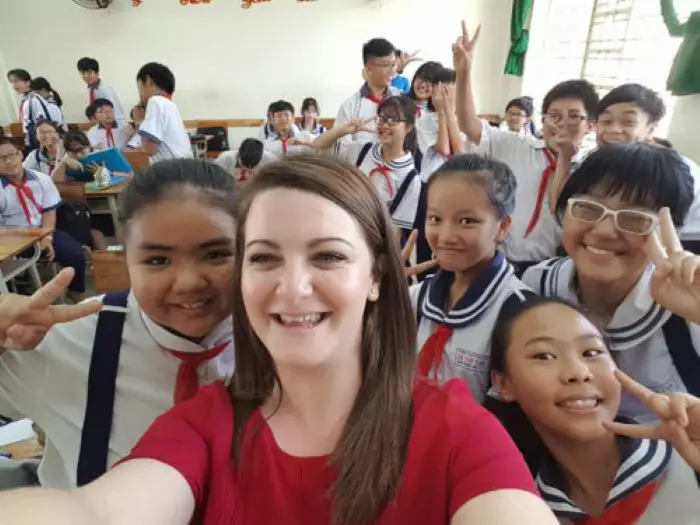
{"x": 569, "y": 106}
{"x": 518, "y": 117}
{"x": 310, "y": 112}
{"x": 53, "y": 100}
{"x": 556, "y": 392}
{"x": 284, "y": 137}
{"x": 611, "y": 212}
{"x": 109, "y": 132}
{"x": 28, "y": 199}
{"x": 21, "y": 84}
{"x": 631, "y": 113}
{"x": 163, "y": 133}
{"x": 425, "y": 80}
{"x": 33, "y": 107}
{"x": 379, "y": 62}
{"x": 387, "y": 161}
{"x": 50, "y": 151}
{"x": 244, "y": 162}
{"x": 96, "y": 384}
{"x": 89, "y": 70}
{"x": 469, "y": 206}
{"x": 137, "y": 115}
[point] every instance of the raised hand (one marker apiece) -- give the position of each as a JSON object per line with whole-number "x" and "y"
{"x": 463, "y": 50}
{"x": 25, "y": 320}
{"x": 406, "y": 252}
{"x": 438, "y": 98}
{"x": 675, "y": 283}
{"x": 679, "y": 420}
{"x": 357, "y": 125}
{"x": 564, "y": 144}
{"x": 406, "y": 59}
{"x": 449, "y": 94}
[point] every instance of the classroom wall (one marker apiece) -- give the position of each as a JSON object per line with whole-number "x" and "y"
{"x": 231, "y": 62}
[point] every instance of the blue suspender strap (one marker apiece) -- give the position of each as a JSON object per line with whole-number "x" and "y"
{"x": 363, "y": 154}
{"x": 402, "y": 191}
{"x": 683, "y": 354}
{"x": 102, "y": 380}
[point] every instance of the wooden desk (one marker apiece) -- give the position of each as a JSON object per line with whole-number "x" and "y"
{"x": 112, "y": 196}
{"x": 14, "y": 241}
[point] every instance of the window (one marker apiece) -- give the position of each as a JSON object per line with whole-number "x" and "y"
{"x": 609, "y": 42}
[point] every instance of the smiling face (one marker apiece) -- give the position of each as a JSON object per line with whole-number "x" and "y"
{"x": 565, "y": 115}
{"x": 20, "y": 86}
{"x": 10, "y": 161}
{"x": 306, "y": 278}
{"x": 600, "y": 251}
{"x": 462, "y": 226}
{"x": 422, "y": 88}
{"x": 516, "y": 118}
{"x": 282, "y": 121}
{"x": 380, "y": 70}
{"x": 47, "y": 135}
{"x": 392, "y": 127}
{"x": 560, "y": 372}
{"x": 181, "y": 264}
{"x": 624, "y": 122}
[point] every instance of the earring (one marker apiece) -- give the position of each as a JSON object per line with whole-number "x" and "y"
{"x": 374, "y": 293}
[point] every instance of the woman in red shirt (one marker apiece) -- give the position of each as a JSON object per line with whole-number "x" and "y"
{"x": 325, "y": 421}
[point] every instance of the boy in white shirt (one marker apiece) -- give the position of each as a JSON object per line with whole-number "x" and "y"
{"x": 379, "y": 58}
{"x": 163, "y": 133}
{"x": 109, "y": 132}
{"x": 90, "y": 72}
{"x": 284, "y": 137}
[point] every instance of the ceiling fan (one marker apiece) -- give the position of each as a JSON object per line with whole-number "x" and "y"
{"x": 93, "y": 4}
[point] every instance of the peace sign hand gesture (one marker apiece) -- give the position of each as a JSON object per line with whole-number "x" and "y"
{"x": 675, "y": 284}
{"x": 357, "y": 125}
{"x": 406, "y": 252}
{"x": 679, "y": 420}
{"x": 25, "y": 320}
{"x": 463, "y": 50}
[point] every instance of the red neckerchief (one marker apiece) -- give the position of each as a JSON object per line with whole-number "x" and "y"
{"x": 169, "y": 96}
{"x": 433, "y": 351}
{"x": 21, "y": 111}
{"x": 542, "y": 191}
{"x": 110, "y": 137}
{"x": 243, "y": 174}
{"x": 187, "y": 379}
{"x": 376, "y": 98}
{"x": 285, "y": 147}
{"x": 386, "y": 173}
{"x": 92, "y": 95}
{"x": 628, "y": 510}
{"x": 24, "y": 193}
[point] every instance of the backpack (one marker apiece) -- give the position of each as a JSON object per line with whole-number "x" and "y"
{"x": 220, "y": 140}
{"x": 30, "y": 138}
{"x": 74, "y": 218}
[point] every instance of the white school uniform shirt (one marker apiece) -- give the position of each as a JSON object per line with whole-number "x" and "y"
{"x": 49, "y": 385}
{"x": 635, "y": 334}
{"x": 33, "y": 108}
{"x": 164, "y": 126}
{"x": 38, "y": 160}
{"x": 427, "y": 128}
{"x": 266, "y": 131}
{"x": 227, "y": 160}
{"x": 134, "y": 143}
{"x": 102, "y": 90}
{"x": 527, "y": 159}
{"x": 359, "y": 106}
{"x": 468, "y": 351}
{"x": 40, "y": 196}
{"x": 398, "y": 169}
{"x": 676, "y": 499}
{"x": 56, "y": 114}
{"x": 275, "y": 146}
{"x": 99, "y": 136}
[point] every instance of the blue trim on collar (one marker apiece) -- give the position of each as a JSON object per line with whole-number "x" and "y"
{"x": 405, "y": 162}
{"x": 390, "y": 91}
{"x": 28, "y": 175}
{"x": 476, "y": 300}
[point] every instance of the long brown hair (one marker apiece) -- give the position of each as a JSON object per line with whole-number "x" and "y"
{"x": 371, "y": 452}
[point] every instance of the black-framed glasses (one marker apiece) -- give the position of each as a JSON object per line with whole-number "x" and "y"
{"x": 9, "y": 156}
{"x": 389, "y": 121}
{"x": 557, "y": 118}
{"x": 635, "y": 222}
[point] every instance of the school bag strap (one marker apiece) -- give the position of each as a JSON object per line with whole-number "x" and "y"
{"x": 101, "y": 386}
{"x": 405, "y": 184}
{"x": 363, "y": 154}
{"x": 683, "y": 354}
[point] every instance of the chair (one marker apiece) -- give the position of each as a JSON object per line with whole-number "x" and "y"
{"x": 109, "y": 271}
{"x": 138, "y": 160}
{"x": 16, "y": 130}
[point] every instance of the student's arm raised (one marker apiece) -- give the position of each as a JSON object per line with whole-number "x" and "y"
{"x": 328, "y": 139}
{"x": 442, "y": 145}
{"x": 566, "y": 152}
{"x": 463, "y": 53}
{"x": 505, "y": 507}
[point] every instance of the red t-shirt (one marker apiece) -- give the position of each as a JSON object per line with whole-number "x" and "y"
{"x": 456, "y": 452}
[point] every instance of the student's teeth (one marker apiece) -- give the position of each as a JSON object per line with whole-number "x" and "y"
{"x": 580, "y": 403}
{"x": 309, "y": 318}
{"x": 192, "y": 306}
{"x": 599, "y": 251}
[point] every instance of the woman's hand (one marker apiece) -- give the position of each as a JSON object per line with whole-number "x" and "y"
{"x": 679, "y": 420}
{"x": 406, "y": 252}
{"x": 675, "y": 284}
{"x": 463, "y": 51}
{"x": 449, "y": 95}
{"x": 438, "y": 98}
{"x": 25, "y": 320}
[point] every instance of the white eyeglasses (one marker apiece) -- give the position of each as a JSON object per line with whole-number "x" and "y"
{"x": 634, "y": 222}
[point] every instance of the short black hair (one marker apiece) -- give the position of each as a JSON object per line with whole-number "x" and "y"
{"x": 8, "y": 141}
{"x": 250, "y": 153}
{"x": 524, "y": 103}
{"x": 377, "y": 48}
{"x": 159, "y": 74}
{"x": 494, "y": 176}
{"x": 641, "y": 96}
{"x": 642, "y": 174}
{"x": 100, "y": 103}
{"x": 21, "y": 74}
{"x": 46, "y": 122}
{"x": 73, "y": 136}
{"x": 279, "y": 106}
{"x": 40, "y": 83}
{"x": 90, "y": 111}
{"x": 167, "y": 177}
{"x": 88, "y": 64}
{"x": 578, "y": 89}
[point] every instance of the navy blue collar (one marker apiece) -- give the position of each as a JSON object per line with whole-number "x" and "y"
{"x": 642, "y": 461}
{"x": 388, "y": 92}
{"x": 28, "y": 175}
{"x": 475, "y": 301}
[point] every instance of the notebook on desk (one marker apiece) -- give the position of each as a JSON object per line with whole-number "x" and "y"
{"x": 114, "y": 181}
{"x": 112, "y": 158}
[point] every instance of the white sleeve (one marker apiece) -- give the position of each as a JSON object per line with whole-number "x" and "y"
{"x": 343, "y": 117}
{"x": 404, "y": 215}
{"x": 114, "y": 99}
{"x": 31, "y": 163}
{"x": 93, "y": 136}
{"x": 37, "y": 109}
{"x": 426, "y": 132}
{"x": 349, "y": 150}
{"x": 494, "y": 142}
{"x": 532, "y": 277}
{"x": 152, "y": 126}
{"x": 413, "y": 294}
{"x": 227, "y": 161}
{"x": 50, "y": 197}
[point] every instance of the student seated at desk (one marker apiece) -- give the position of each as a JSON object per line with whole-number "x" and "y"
{"x": 109, "y": 132}
{"x": 285, "y": 137}
{"x": 53, "y": 100}
{"x": 89, "y": 70}
{"x": 245, "y": 161}
{"x": 50, "y": 151}
{"x": 163, "y": 134}
{"x": 28, "y": 199}
{"x": 309, "y": 117}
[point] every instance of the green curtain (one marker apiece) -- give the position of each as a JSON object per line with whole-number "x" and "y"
{"x": 519, "y": 37}
{"x": 684, "y": 78}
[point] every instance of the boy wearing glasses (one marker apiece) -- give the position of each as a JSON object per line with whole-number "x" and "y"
{"x": 569, "y": 107}
{"x": 284, "y": 137}
{"x": 108, "y": 133}
{"x": 379, "y": 58}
